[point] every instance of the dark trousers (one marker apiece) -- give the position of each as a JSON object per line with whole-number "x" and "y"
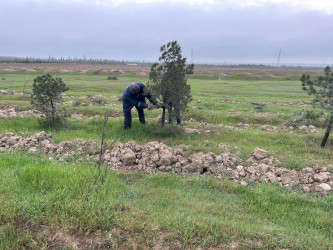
{"x": 178, "y": 118}
{"x": 128, "y": 117}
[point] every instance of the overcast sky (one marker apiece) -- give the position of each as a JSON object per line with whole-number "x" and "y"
{"x": 247, "y": 31}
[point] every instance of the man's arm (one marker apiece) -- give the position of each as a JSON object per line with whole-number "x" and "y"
{"x": 151, "y": 98}
{"x": 133, "y": 101}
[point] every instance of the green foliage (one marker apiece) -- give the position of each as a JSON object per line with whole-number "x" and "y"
{"x": 321, "y": 88}
{"x": 306, "y": 118}
{"x": 168, "y": 79}
{"x": 46, "y": 98}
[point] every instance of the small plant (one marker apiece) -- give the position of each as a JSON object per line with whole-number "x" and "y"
{"x": 100, "y": 161}
{"x": 112, "y": 78}
{"x": 306, "y": 118}
{"x": 258, "y": 106}
{"x": 46, "y": 98}
{"x": 77, "y": 103}
{"x": 97, "y": 99}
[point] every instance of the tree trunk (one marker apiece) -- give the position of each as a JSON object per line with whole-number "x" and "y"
{"x": 52, "y": 111}
{"x": 163, "y": 116}
{"x": 327, "y": 133}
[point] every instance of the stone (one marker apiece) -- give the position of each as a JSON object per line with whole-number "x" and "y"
{"x": 321, "y": 188}
{"x": 129, "y": 158}
{"x": 240, "y": 168}
{"x": 167, "y": 159}
{"x": 260, "y": 153}
{"x": 321, "y": 177}
{"x": 307, "y": 170}
{"x": 244, "y": 183}
{"x": 290, "y": 178}
{"x": 271, "y": 176}
{"x": 32, "y": 150}
{"x": 306, "y": 187}
{"x": 325, "y": 186}
{"x": 13, "y": 140}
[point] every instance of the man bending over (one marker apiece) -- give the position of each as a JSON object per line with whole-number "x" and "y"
{"x": 134, "y": 96}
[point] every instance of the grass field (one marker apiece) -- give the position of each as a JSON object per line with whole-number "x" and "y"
{"x": 48, "y": 204}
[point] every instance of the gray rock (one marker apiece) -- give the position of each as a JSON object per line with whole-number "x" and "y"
{"x": 325, "y": 186}
{"x": 321, "y": 177}
{"x": 260, "y": 153}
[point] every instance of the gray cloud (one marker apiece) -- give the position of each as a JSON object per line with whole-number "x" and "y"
{"x": 136, "y": 31}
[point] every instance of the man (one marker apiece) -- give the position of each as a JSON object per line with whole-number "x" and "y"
{"x": 134, "y": 96}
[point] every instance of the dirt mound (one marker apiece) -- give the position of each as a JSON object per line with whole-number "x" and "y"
{"x": 229, "y": 148}
{"x": 308, "y": 129}
{"x": 11, "y": 113}
{"x": 199, "y": 131}
{"x": 156, "y": 157}
{"x": 304, "y": 103}
{"x": 42, "y": 143}
{"x": 5, "y": 92}
{"x": 270, "y": 128}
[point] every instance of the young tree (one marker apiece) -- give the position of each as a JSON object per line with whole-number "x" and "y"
{"x": 168, "y": 80}
{"x": 322, "y": 89}
{"x": 46, "y": 97}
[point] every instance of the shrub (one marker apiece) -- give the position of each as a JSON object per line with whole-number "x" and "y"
{"x": 46, "y": 98}
{"x": 112, "y": 78}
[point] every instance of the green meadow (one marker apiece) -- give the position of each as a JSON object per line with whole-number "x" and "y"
{"x": 46, "y": 204}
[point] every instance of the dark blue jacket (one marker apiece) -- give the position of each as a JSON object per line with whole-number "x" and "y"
{"x": 129, "y": 100}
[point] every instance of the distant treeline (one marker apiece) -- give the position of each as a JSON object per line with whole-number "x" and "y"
{"x": 75, "y": 60}
{"x": 69, "y": 60}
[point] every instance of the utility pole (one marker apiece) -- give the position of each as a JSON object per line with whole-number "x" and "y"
{"x": 192, "y": 55}
{"x": 278, "y": 60}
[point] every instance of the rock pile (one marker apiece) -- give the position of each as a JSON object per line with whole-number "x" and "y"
{"x": 303, "y": 103}
{"x": 199, "y": 131}
{"x": 42, "y": 142}
{"x": 11, "y": 113}
{"x": 229, "y": 148}
{"x": 5, "y": 92}
{"x": 243, "y": 125}
{"x": 308, "y": 129}
{"x": 10, "y": 140}
{"x": 270, "y": 128}
{"x": 156, "y": 157}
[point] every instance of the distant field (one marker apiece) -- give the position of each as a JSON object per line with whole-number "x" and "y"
{"x": 215, "y": 101}
{"x": 41, "y": 198}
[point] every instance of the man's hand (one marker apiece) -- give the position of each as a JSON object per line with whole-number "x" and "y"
{"x": 149, "y": 107}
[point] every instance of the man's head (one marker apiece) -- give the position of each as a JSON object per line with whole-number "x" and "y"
{"x": 134, "y": 89}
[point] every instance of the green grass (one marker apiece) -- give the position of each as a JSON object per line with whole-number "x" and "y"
{"x": 40, "y": 198}
{"x": 36, "y": 194}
